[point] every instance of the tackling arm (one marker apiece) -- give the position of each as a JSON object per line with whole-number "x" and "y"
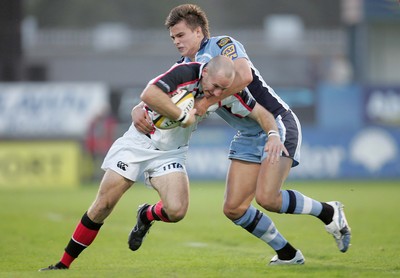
{"x": 141, "y": 119}
{"x": 266, "y": 120}
{"x": 243, "y": 77}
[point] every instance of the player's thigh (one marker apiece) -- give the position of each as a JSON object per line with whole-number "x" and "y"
{"x": 173, "y": 189}
{"x": 111, "y": 189}
{"x": 241, "y": 183}
{"x": 271, "y": 178}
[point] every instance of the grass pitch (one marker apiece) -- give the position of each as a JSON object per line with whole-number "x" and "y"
{"x": 37, "y": 224}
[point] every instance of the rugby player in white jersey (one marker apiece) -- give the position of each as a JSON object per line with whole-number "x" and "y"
{"x": 160, "y": 156}
{"x": 252, "y": 173}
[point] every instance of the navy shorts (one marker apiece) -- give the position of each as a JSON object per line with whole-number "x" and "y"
{"x": 250, "y": 147}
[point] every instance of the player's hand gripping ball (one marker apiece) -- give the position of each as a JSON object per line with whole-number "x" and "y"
{"x": 184, "y": 100}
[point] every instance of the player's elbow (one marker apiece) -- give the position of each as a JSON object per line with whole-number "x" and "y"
{"x": 247, "y": 78}
{"x": 144, "y": 96}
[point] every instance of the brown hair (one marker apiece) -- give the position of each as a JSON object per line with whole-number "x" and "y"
{"x": 192, "y": 14}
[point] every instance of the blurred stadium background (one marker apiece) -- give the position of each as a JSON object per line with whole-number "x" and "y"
{"x": 71, "y": 71}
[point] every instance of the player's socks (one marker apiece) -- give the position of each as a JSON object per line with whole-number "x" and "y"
{"x": 60, "y": 265}
{"x": 294, "y": 202}
{"x": 287, "y": 253}
{"x": 154, "y": 212}
{"x": 326, "y": 214}
{"x": 84, "y": 234}
{"x": 261, "y": 226}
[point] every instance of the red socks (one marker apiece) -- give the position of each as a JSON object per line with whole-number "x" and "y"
{"x": 84, "y": 234}
{"x": 156, "y": 212}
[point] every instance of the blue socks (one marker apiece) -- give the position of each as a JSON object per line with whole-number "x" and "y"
{"x": 293, "y": 202}
{"x": 261, "y": 226}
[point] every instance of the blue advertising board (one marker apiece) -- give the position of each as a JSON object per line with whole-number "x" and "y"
{"x": 364, "y": 153}
{"x": 370, "y": 152}
{"x": 382, "y": 105}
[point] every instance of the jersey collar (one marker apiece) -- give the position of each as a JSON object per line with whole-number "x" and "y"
{"x": 203, "y": 43}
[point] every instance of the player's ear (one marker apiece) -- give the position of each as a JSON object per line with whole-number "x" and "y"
{"x": 205, "y": 71}
{"x": 199, "y": 31}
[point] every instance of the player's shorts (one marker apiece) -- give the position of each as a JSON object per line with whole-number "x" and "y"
{"x": 133, "y": 155}
{"x": 250, "y": 147}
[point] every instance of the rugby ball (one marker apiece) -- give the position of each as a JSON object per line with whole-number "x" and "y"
{"x": 184, "y": 100}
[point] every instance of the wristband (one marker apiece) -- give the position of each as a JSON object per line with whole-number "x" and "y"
{"x": 181, "y": 116}
{"x": 273, "y": 133}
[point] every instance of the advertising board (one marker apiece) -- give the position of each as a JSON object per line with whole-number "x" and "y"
{"x": 39, "y": 164}
{"x": 49, "y": 110}
{"x": 364, "y": 153}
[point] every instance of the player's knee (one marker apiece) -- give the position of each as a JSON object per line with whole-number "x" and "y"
{"x": 176, "y": 214}
{"x": 233, "y": 212}
{"x": 229, "y": 213}
{"x": 176, "y": 217}
{"x": 270, "y": 203}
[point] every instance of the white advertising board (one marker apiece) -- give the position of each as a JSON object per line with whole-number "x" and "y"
{"x": 37, "y": 110}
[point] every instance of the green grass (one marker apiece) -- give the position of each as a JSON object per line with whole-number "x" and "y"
{"x": 36, "y": 225}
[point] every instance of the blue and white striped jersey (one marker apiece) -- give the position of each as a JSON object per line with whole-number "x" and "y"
{"x": 258, "y": 88}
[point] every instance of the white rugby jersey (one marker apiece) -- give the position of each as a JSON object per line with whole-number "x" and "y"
{"x": 258, "y": 88}
{"x": 186, "y": 76}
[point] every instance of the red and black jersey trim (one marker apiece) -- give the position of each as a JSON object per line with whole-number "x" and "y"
{"x": 178, "y": 76}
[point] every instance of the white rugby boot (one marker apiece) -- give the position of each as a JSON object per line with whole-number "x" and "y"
{"x": 297, "y": 260}
{"x": 339, "y": 228}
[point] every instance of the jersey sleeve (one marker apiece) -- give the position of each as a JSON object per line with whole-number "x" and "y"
{"x": 240, "y": 104}
{"x": 229, "y": 47}
{"x": 176, "y": 76}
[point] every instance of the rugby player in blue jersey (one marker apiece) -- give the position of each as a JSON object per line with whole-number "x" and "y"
{"x": 253, "y": 173}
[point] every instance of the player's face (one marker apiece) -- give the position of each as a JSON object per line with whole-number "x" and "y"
{"x": 185, "y": 40}
{"x": 214, "y": 85}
